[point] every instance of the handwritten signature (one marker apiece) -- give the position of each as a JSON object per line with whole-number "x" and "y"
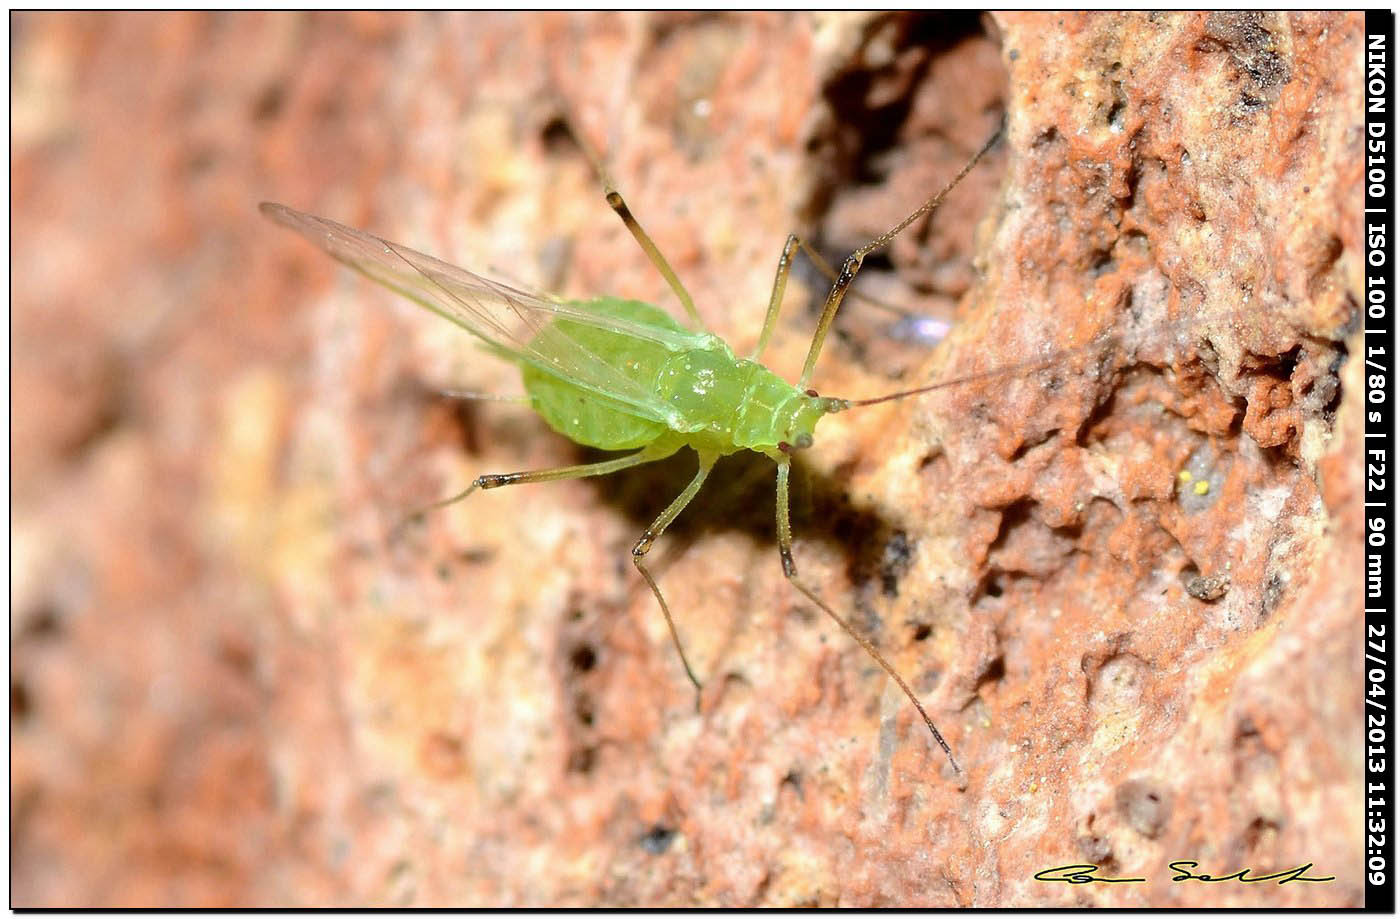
{"x": 1085, "y": 874}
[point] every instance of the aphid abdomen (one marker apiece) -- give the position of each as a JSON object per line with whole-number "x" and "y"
{"x": 585, "y": 415}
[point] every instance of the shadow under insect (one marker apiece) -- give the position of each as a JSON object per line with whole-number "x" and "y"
{"x": 739, "y": 497}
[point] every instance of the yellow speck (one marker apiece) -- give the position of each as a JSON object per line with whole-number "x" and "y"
{"x": 1201, "y": 488}
{"x": 1184, "y": 476}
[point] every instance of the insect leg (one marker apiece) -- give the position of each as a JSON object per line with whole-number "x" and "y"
{"x": 475, "y": 396}
{"x": 790, "y": 572}
{"x": 644, "y": 544}
{"x": 852, "y": 264}
{"x": 775, "y": 300}
{"x": 633, "y": 227}
{"x": 790, "y": 249}
{"x": 496, "y": 480}
{"x": 843, "y": 281}
{"x": 654, "y": 254}
{"x": 794, "y": 242}
{"x": 619, "y": 206}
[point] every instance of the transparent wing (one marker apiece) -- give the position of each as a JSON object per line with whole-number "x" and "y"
{"x": 510, "y": 321}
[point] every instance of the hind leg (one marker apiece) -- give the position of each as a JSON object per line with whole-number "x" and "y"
{"x": 496, "y": 480}
{"x": 790, "y": 571}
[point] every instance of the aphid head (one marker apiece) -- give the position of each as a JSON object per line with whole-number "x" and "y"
{"x": 809, "y": 409}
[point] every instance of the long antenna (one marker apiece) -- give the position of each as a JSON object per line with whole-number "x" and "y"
{"x": 1043, "y": 363}
{"x": 1030, "y": 365}
{"x": 852, "y": 264}
{"x": 937, "y": 199}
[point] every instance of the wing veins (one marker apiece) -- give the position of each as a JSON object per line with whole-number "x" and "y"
{"x": 461, "y": 297}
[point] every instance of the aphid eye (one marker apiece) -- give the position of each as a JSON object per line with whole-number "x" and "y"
{"x": 812, "y": 393}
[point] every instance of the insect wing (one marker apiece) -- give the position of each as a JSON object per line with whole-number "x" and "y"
{"x": 512, "y": 322}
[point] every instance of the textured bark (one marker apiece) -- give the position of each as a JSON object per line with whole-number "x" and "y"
{"x": 232, "y": 686}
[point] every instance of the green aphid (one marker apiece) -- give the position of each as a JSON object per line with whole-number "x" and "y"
{"x": 623, "y": 375}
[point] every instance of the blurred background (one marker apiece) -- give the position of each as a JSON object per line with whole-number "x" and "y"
{"x": 228, "y": 688}
{"x": 231, "y": 687}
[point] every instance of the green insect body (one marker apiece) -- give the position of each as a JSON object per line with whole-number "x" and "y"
{"x": 624, "y": 375}
{"x": 709, "y": 399}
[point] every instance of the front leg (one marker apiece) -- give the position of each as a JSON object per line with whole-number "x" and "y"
{"x": 790, "y": 572}
{"x": 649, "y": 537}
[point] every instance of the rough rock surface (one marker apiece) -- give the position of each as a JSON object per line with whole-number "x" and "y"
{"x": 231, "y": 687}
